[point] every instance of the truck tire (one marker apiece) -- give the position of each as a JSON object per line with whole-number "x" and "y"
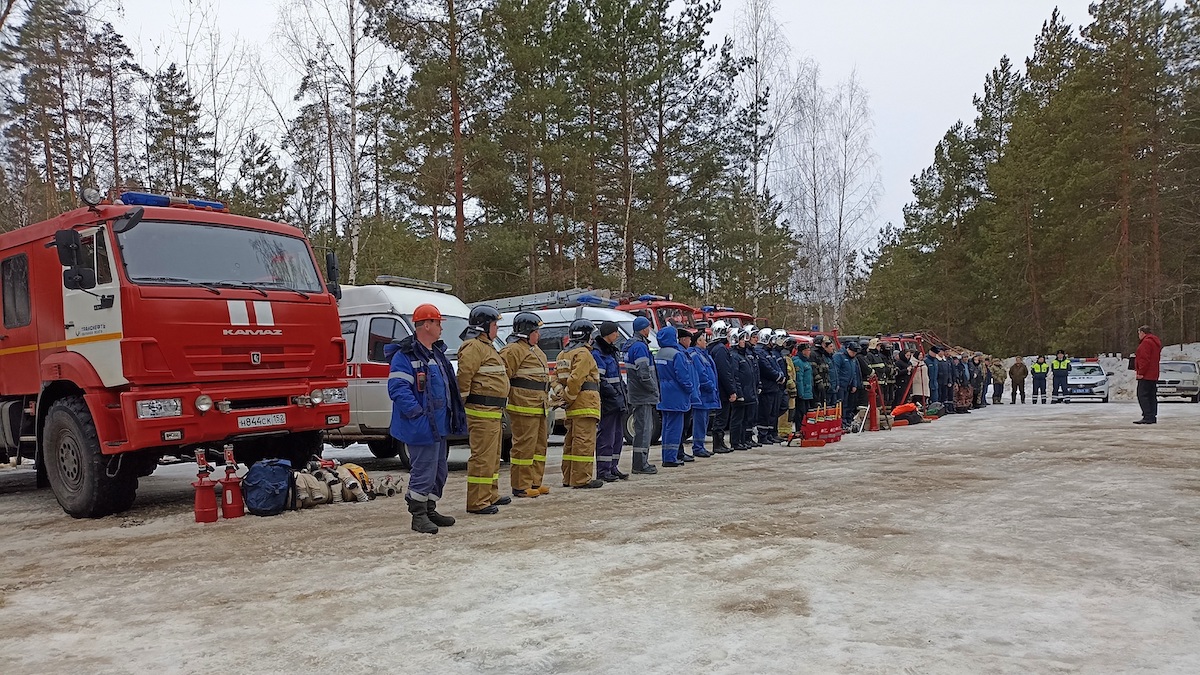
{"x": 75, "y": 467}
{"x": 655, "y": 433}
{"x": 390, "y": 448}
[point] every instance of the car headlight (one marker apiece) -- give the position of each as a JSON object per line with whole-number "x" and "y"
{"x": 204, "y": 403}
{"x": 317, "y": 396}
{"x": 159, "y": 407}
{"x": 336, "y": 395}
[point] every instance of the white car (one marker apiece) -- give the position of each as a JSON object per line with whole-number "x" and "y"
{"x": 1088, "y": 379}
{"x": 1179, "y": 378}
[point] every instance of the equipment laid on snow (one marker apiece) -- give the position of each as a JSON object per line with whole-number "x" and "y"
{"x": 269, "y": 487}
{"x": 232, "y": 503}
{"x": 205, "y": 506}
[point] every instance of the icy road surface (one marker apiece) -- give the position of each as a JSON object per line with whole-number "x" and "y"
{"x": 1019, "y": 539}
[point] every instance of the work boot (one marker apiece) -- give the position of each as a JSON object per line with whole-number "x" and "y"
{"x": 441, "y": 520}
{"x": 723, "y": 450}
{"x": 621, "y": 475}
{"x": 648, "y": 470}
{"x": 684, "y": 457}
{"x": 702, "y": 453}
{"x": 485, "y": 511}
{"x": 608, "y": 478}
{"x": 530, "y": 493}
{"x": 503, "y": 501}
{"x": 590, "y": 485}
{"x": 672, "y": 464}
{"x": 542, "y": 489}
{"x": 719, "y": 441}
{"x": 420, "y": 517}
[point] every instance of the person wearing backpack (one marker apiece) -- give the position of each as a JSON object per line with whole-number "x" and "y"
{"x": 426, "y": 410}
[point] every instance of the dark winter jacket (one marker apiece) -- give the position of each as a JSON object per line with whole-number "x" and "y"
{"x": 747, "y": 374}
{"x": 643, "y": 376}
{"x": 719, "y": 351}
{"x": 614, "y": 397}
{"x": 768, "y": 370}
{"x": 845, "y": 373}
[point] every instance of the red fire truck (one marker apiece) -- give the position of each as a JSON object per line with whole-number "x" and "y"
{"x": 175, "y": 326}
{"x": 660, "y": 311}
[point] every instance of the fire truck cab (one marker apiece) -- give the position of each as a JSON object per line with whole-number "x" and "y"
{"x": 660, "y": 311}
{"x": 175, "y": 326}
{"x": 734, "y": 318}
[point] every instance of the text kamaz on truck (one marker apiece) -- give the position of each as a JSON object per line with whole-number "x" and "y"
{"x": 174, "y": 326}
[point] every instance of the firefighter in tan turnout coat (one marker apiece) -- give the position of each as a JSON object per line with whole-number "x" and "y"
{"x": 483, "y": 384}
{"x": 528, "y": 402}
{"x": 577, "y": 371}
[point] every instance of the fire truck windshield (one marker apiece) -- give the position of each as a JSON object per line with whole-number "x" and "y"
{"x": 674, "y": 316}
{"x": 198, "y": 254}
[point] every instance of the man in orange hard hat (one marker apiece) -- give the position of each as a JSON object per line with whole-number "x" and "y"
{"x": 426, "y": 410}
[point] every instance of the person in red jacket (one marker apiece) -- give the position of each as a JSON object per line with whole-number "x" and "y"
{"x": 1145, "y": 363}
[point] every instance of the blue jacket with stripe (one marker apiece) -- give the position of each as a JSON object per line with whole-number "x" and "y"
{"x": 676, "y": 379}
{"x": 426, "y": 407}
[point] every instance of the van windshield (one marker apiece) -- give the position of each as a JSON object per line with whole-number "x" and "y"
{"x": 165, "y": 252}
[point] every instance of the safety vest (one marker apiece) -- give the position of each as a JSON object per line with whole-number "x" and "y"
{"x": 1040, "y": 369}
{"x": 1060, "y": 365}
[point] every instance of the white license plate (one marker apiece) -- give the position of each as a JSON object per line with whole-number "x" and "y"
{"x": 257, "y": 421}
{"x": 1167, "y": 390}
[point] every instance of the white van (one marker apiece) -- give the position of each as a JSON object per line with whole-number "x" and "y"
{"x": 373, "y": 316}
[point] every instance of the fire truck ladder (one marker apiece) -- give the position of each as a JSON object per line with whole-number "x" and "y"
{"x": 575, "y": 297}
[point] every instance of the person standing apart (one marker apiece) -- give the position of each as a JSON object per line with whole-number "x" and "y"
{"x": 1060, "y": 368}
{"x": 643, "y": 394}
{"x": 1041, "y": 370}
{"x": 426, "y": 410}
{"x": 576, "y": 369}
{"x": 528, "y": 403}
{"x": 999, "y": 375}
{"x": 1017, "y": 373}
{"x": 483, "y": 385}
{"x": 676, "y": 382}
{"x": 1146, "y": 367}
{"x": 710, "y": 397}
{"x": 720, "y": 354}
{"x": 613, "y": 403}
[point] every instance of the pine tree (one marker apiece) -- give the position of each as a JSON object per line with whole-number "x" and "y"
{"x": 178, "y": 145}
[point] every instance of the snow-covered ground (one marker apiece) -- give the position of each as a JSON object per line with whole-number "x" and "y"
{"x": 1016, "y": 539}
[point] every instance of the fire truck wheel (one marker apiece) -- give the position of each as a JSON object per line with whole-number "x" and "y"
{"x": 76, "y": 468}
{"x": 655, "y": 434}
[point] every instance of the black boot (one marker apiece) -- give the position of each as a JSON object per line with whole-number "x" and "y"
{"x": 420, "y": 517}
{"x": 719, "y": 441}
{"x": 437, "y": 518}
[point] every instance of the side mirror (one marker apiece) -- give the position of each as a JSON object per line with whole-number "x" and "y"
{"x": 129, "y": 220}
{"x": 69, "y": 244}
{"x": 332, "y": 274}
{"x": 79, "y": 278}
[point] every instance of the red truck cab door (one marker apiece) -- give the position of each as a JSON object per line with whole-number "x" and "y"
{"x": 19, "y": 337}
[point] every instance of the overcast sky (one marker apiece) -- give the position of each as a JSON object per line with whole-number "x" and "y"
{"x": 920, "y": 60}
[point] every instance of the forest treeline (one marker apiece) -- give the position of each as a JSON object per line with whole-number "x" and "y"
{"x": 505, "y": 146}
{"x": 1068, "y": 212}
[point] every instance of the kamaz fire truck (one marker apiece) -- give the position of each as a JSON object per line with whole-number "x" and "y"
{"x": 150, "y": 325}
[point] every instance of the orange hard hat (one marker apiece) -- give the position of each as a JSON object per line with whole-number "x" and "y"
{"x": 426, "y": 312}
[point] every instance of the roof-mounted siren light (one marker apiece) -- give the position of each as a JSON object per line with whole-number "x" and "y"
{"x": 650, "y": 298}
{"x": 406, "y": 282}
{"x": 596, "y": 301}
{"x": 708, "y": 308}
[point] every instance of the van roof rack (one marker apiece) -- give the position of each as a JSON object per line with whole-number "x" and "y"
{"x": 574, "y": 297}
{"x": 406, "y": 282}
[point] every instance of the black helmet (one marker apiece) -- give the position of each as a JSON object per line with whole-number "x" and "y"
{"x": 581, "y": 330}
{"x": 525, "y": 323}
{"x": 482, "y": 317}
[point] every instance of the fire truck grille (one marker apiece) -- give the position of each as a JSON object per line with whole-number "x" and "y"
{"x": 250, "y": 403}
{"x": 246, "y": 359}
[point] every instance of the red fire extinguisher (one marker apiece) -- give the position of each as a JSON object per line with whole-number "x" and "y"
{"x": 206, "y": 499}
{"x": 232, "y": 505}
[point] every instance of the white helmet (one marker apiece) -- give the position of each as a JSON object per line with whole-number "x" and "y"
{"x": 781, "y": 335}
{"x": 764, "y": 336}
{"x": 720, "y": 330}
{"x": 749, "y": 328}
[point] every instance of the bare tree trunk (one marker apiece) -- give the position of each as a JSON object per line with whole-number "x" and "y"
{"x": 352, "y": 140}
{"x": 532, "y": 226}
{"x": 461, "y": 262}
{"x": 333, "y": 233}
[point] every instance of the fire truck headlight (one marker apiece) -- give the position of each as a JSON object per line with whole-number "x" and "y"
{"x": 317, "y": 396}
{"x": 159, "y": 407}
{"x": 336, "y": 395}
{"x": 204, "y": 403}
